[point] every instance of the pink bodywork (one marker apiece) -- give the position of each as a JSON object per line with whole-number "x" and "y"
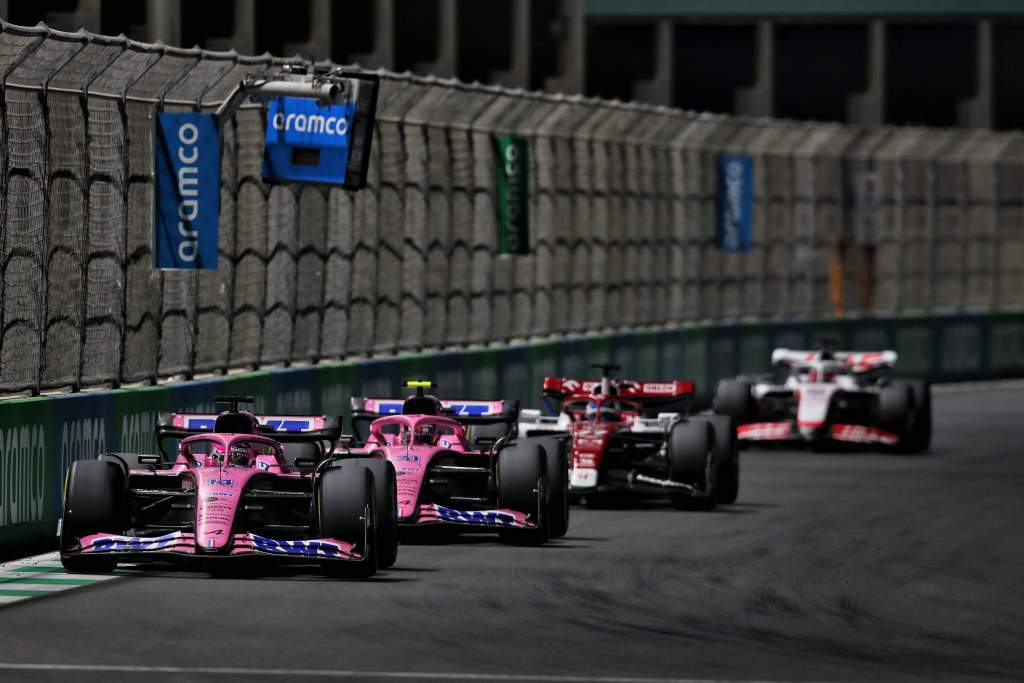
{"x": 412, "y": 462}
{"x": 219, "y": 487}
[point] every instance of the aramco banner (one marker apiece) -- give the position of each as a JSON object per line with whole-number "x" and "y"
{"x": 735, "y": 203}
{"x": 306, "y": 142}
{"x": 513, "y": 195}
{"x": 186, "y": 151}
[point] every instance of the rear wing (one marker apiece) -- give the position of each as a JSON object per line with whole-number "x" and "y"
{"x": 282, "y": 428}
{"x": 674, "y": 395}
{"x": 366, "y": 410}
{"x": 563, "y": 387}
{"x": 857, "y": 361}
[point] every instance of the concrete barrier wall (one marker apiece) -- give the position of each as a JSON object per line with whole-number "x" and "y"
{"x": 622, "y": 204}
{"x": 41, "y": 436}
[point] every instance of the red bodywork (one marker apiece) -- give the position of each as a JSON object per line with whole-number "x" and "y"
{"x": 597, "y": 417}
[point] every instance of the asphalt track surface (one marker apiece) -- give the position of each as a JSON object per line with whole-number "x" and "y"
{"x": 833, "y": 566}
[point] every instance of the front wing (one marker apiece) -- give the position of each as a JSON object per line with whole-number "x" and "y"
{"x": 786, "y": 430}
{"x": 432, "y": 513}
{"x": 182, "y": 544}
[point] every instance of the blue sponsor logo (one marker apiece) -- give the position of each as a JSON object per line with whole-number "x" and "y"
{"x": 735, "y": 203}
{"x": 484, "y": 517}
{"x": 457, "y": 408}
{"x": 121, "y": 544}
{"x": 186, "y": 164}
{"x": 220, "y": 482}
{"x": 406, "y": 458}
{"x": 300, "y": 548}
{"x": 291, "y": 424}
{"x": 306, "y": 142}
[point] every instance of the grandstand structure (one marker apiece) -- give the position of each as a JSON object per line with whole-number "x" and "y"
{"x": 904, "y": 62}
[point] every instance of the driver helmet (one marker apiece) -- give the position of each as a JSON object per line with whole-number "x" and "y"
{"x": 607, "y": 411}
{"x": 426, "y": 434}
{"x": 240, "y": 454}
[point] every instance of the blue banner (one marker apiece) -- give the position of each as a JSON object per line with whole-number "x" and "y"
{"x": 735, "y": 203}
{"x": 306, "y": 142}
{"x": 186, "y": 151}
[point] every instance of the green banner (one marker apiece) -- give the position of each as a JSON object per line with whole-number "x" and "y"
{"x": 513, "y": 195}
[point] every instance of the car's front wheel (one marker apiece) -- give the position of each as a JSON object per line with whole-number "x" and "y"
{"x": 94, "y": 492}
{"x": 346, "y": 512}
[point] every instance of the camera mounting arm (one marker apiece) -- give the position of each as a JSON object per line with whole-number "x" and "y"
{"x": 326, "y": 89}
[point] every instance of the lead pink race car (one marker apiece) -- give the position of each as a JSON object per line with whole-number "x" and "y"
{"x": 239, "y": 487}
{"x": 460, "y": 464}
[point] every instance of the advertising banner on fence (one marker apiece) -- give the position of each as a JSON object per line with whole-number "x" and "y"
{"x": 186, "y": 163}
{"x": 306, "y": 142}
{"x": 734, "y": 203}
{"x": 513, "y": 195}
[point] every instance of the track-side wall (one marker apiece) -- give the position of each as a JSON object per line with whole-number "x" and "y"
{"x": 40, "y": 437}
{"x": 621, "y": 212}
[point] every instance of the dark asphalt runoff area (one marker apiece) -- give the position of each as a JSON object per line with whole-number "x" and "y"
{"x": 832, "y": 567}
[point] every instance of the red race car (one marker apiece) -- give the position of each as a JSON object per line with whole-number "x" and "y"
{"x": 634, "y": 436}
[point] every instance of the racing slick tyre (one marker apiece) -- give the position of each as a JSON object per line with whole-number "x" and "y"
{"x": 93, "y": 503}
{"x": 346, "y": 511}
{"x": 558, "y": 485}
{"x": 735, "y": 398}
{"x": 895, "y": 411}
{"x": 916, "y": 436}
{"x": 727, "y": 486}
{"x": 385, "y": 496}
{"x": 691, "y": 460}
{"x": 522, "y": 486}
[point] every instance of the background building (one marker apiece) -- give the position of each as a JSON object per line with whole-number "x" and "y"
{"x": 931, "y": 62}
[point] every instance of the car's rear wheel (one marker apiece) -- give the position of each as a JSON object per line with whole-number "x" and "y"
{"x": 93, "y": 503}
{"x": 919, "y": 431}
{"x": 735, "y": 398}
{"x": 895, "y": 411}
{"x": 346, "y": 512}
{"x": 522, "y": 486}
{"x": 727, "y": 486}
{"x": 691, "y": 460}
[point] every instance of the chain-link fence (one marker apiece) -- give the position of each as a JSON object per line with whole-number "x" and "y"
{"x": 622, "y": 208}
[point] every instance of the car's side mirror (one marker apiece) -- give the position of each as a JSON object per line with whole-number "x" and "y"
{"x": 305, "y": 462}
{"x": 149, "y": 459}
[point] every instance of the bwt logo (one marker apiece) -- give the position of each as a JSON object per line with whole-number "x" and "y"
{"x": 310, "y": 123}
{"x": 188, "y": 190}
{"x": 308, "y": 548}
{"x": 486, "y": 517}
{"x": 733, "y": 204}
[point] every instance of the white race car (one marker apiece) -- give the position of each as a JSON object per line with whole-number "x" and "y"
{"x": 826, "y": 395}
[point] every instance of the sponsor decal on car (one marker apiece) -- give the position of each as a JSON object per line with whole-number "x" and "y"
{"x": 764, "y": 431}
{"x": 110, "y": 543}
{"x": 220, "y": 482}
{"x": 863, "y": 434}
{"x": 314, "y": 548}
{"x": 583, "y": 477}
{"x": 487, "y": 517}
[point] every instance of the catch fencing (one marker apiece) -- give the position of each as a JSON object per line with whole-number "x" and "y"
{"x": 622, "y": 215}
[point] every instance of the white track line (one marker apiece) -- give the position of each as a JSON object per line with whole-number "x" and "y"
{"x": 327, "y": 673}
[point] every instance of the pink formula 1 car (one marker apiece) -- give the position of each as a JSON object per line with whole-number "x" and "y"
{"x": 240, "y": 486}
{"x": 459, "y": 463}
